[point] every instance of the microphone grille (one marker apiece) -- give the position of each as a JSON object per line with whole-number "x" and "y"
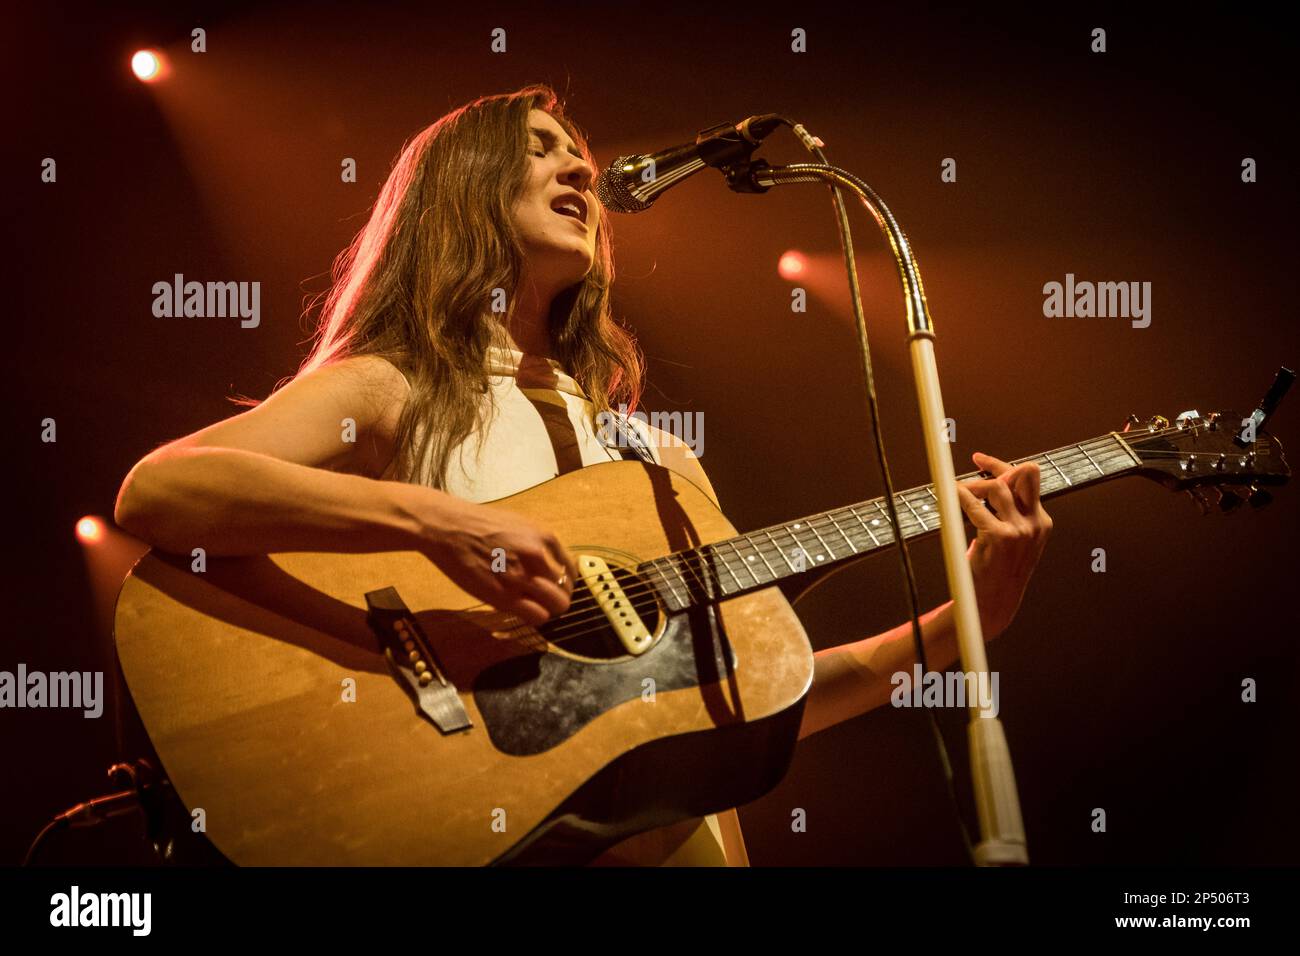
{"x": 613, "y": 190}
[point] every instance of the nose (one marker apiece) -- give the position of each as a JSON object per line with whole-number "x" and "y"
{"x": 577, "y": 173}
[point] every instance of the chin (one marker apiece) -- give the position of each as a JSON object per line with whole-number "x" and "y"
{"x": 567, "y": 263}
{"x": 579, "y": 262}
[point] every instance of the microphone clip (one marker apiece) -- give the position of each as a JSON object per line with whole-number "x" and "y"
{"x": 740, "y": 176}
{"x": 732, "y": 144}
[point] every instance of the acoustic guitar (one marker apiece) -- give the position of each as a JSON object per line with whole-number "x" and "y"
{"x": 326, "y": 708}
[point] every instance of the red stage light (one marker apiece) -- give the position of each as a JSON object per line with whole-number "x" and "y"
{"x": 90, "y": 530}
{"x": 147, "y": 65}
{"x": 792, "y": 265}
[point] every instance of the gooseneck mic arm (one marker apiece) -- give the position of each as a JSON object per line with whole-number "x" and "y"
{"x": 1001, "y": 827}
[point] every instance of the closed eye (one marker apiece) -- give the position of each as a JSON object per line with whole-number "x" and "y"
{"x": 547, "y": 138}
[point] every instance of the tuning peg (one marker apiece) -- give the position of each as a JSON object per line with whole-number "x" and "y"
{"x": 1198, "y": 496}
{"x": 1131, "y": 421}
{"x": 1231, "y": 501}
{"x": 1259, "y": 497}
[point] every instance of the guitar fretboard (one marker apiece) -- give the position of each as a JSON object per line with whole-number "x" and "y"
{"x": 725, "y": 569}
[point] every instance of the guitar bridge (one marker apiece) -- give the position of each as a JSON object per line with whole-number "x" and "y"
{"x": 410, "y": 655}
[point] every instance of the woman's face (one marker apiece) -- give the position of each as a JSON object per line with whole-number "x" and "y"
{"x": 559, "y": 243}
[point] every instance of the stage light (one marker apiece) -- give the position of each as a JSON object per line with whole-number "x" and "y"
{"x": 792, "y": 265}
{"x": 147, "y": 65}
{"x": 90, "y": 530}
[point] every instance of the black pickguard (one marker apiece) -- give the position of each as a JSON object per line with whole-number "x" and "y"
{"x": 534, "y": 702}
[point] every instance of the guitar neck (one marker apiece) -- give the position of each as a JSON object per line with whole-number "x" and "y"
{"x": 760, "y": 558}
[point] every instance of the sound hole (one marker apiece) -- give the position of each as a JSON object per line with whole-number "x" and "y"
{"x": 585, "y": 631}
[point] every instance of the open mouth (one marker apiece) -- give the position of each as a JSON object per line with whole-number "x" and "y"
{"x": 571, "y": 207}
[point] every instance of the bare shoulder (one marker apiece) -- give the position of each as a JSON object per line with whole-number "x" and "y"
{"x": 373, "y": 381}
{"x": 373, "y": 371}
{"x": 367, "y": 390}
{"x": 372, "y": 391}
{"x": 341, "y": 416}
{"x": 678, "y": 456}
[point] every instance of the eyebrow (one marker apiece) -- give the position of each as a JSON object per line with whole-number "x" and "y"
{"x": 550, "y": 139}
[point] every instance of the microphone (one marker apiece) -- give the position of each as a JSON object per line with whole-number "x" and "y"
{"x": 633, "y": 183}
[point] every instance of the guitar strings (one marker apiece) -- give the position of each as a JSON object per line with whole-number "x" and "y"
{"x": 712, "y": 561}
{"x": 569, "y": 619}
{"x": 574, "y": 616}
{"x": 578, "y": 613}
{"x": 644, "y": 595}
{"x": 911, "y": 521}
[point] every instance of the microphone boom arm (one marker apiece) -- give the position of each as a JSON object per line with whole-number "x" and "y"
{"x": 1001, "y": 826}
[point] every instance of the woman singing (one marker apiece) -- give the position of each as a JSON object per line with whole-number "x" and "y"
{"x": 469, "y": 338}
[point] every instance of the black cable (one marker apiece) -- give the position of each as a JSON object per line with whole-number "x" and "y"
{"x": 57, "y": 823}
{"x": 140, "y": 796}
{"x": 905, "y": 558}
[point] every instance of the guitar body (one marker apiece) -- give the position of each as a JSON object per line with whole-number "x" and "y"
{"x": 273, "y": 707}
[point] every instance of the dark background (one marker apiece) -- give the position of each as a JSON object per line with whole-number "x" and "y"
{"x": 1119, "y": 690}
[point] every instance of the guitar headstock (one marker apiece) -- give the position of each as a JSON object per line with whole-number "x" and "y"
{"x": 1220, "y": 458}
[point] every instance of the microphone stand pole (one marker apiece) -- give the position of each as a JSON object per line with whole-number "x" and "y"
{"x": 1001, "y": 827}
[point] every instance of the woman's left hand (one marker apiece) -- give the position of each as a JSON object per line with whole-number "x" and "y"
{"x": 1007, "y": 543}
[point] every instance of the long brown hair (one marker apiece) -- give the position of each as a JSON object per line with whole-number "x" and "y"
{"x": 416, "y": 284}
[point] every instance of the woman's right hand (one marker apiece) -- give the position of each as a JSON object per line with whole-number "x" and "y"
{"x": 498, "y": 556}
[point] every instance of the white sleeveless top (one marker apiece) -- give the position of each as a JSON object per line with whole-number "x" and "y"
{"x": 541, "y": 425}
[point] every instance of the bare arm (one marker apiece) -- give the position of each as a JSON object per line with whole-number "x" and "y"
{"x": 234, "y": 502}
{"x": 282, "y": 476}
{"x": 300, "y": 473}
{"x": 854, "y": 678}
